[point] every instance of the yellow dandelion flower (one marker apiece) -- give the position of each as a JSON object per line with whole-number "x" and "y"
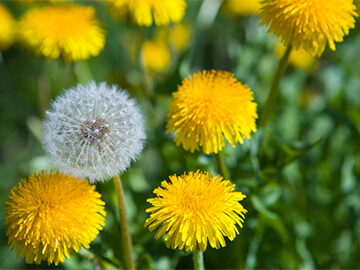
{"x": 209, "y": 106}
{"x": 155, "y": 56}
{"x": 309, "y": 24}
{"x": 69, "y": 31}
{"x": 242, "y": 7}
{"x": 179, "y": 36}
{"x": 144, "y": 12}
{"x": 7, "y": 28}
{"x": 194, "y": 209}
{"x": 50, "y": 215}
{"x": 298, "y": 58}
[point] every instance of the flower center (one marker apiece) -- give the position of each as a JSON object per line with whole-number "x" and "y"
{"x": 94, "y": 131}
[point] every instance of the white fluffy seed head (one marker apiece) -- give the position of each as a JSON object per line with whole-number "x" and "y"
{"x": 94, "y": 131}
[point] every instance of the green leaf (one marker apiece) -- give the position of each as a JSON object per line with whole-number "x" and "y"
{"x": 144, "y": 262}
{"x": 290, "y": 153}
{"x": 270, "y": 218}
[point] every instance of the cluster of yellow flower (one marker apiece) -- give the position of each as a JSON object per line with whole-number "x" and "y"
{"x": 51, "y": 214}
{"x": 156, "y": 53}
{"x": 74, "y": 33}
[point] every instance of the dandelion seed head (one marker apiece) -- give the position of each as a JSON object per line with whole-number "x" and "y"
{"x": 94, "y": 131}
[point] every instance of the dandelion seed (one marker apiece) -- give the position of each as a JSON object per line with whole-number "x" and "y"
{"x": 94, "y": 131}
{"x": 209, "y": 106}
{"x": 194, "y": 209}
{"x": 309, "y": 24}
{"x": 50, "y": 215}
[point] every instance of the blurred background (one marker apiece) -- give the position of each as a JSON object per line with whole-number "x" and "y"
{"x": 300, "y": 174}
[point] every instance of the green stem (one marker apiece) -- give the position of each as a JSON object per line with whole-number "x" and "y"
{"x": 270, "y": 103}
{"x": 43, "y": 88}
{"x": 146, "y": 78}
{"x": 124, "y": 224}
{"x": 33, "y": 123}
{"x": 198, "y": 258}
{"x": 207, "y": 13}
{"x": 88, "y": 255}
{"x": 222, "y": 166}
{"x": 82, "y": 71}
{"x": 148, "y": 85}
{"x": 98, "y": 262}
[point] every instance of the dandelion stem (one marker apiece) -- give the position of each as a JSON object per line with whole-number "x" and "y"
{"x": 146, "y": 78}
{"x": 124, "y": 224}
{"x": 208, "y": 12}
{"x": 148, "y": 85}
{"x": 98, "y": 262}
{"x": 198, "y": 258}
{"x": 270, "y": 103}
{"x": 82, "y": 71}
{"x": 222, "y": 166}
{"x": 43, "y": 87}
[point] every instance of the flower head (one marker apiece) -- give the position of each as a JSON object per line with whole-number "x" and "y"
{"x": 50, "y": 215}
{"x": 144, "y": 12}
{"x": 7, "y": 28}
{"x": 242, "y": 7}
{"x": 195, "y": 208}
{"x": 179, "y": 36}
{"x": 155, "y": 56}
{"x": 71, "y": 32}
{"x": 94, "y": 131}
{"x": 209, "y": 106}
{"x": 309, "y": 24}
